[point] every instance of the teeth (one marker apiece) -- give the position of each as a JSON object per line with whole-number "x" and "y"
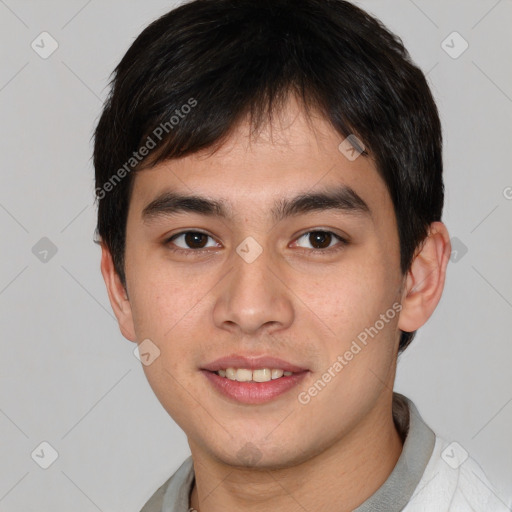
{"x": 277, "y": 373}
{"x": 263, "y": 375}
{"x": 243, "y": 375}
{"x": 259, "y": 375}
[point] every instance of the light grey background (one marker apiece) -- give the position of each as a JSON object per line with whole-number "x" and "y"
{"x": 69, "y": 378}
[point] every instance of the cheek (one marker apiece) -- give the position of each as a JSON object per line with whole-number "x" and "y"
{"x": 162, "y": 297}
{"x": 155, "y": 306}
{"x": 353, "y": 309}
{"x": 171, "y": 310}
{"x": 350, "y": 295}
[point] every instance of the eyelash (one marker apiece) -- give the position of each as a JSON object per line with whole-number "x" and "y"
{"x": 343, "y": 242}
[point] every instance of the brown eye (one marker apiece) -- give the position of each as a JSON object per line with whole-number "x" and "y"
{"x": 192, "y": 240}
{"x": 320, "y": 242}
{"x": 195, "y": 240}
{"x": 320, "y": 239}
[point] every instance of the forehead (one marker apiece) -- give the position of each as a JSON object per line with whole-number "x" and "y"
{"x": 292, "y": 154}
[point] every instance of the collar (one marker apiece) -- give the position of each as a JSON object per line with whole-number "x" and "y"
{"x": 392, "y": 496}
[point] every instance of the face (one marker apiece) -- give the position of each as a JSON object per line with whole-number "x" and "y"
{"x": 254, "y": 270}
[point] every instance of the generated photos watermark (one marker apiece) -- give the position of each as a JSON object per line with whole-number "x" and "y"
{"x": 151, "y": 142}
{"x": 344, "y": 359}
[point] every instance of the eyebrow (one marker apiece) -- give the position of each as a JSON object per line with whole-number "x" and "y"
{"x": 342, "y": 198}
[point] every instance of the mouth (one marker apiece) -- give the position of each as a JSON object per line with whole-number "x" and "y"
{"x": 253, "y": 380}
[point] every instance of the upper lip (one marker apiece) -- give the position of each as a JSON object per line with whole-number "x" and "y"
{"x": 251, "y": 363}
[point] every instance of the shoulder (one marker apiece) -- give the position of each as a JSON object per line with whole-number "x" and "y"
{"x": 173, "y": 494}
{"x": 453, "y": 481}
{"x": 155, "y": 503}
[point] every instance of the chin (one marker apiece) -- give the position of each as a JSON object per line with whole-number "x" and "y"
{"x": 252, "y": 455}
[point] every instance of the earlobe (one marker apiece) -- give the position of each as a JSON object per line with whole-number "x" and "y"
{"x": 425, "y": 279}
{"x": 117, "y": 295}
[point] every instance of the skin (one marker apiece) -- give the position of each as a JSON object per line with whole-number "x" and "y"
{"x": 290, "y": 303}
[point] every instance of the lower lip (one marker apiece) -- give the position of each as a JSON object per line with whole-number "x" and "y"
{"x": 254, "y": 392}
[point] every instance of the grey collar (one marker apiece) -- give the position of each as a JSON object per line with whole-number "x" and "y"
{"x": 392, "y": 496}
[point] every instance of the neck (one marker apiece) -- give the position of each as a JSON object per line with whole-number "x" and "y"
{"x": 346, "y": 473}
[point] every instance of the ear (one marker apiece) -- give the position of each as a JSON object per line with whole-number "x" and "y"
{"x": 425, "y": 279}
{"x": 117, "y": 295}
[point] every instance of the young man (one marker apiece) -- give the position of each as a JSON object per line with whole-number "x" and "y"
{"x": 269, "y": 178}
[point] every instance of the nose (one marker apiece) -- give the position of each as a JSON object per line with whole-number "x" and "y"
{"x": 253, "y": 297}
